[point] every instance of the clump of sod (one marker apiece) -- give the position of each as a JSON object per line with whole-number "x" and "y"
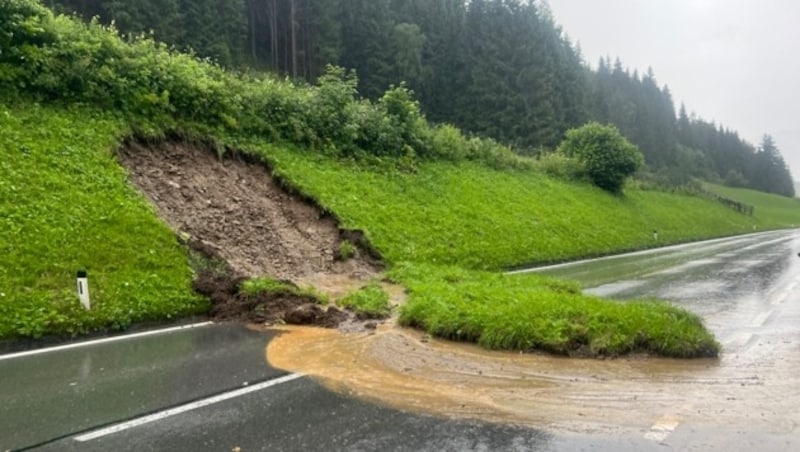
{"x": 531, "y": 312}
{"x": 268, "y": 285}
{"x": 370, "y": 301}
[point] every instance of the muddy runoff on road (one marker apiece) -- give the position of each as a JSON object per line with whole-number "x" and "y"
{"x": 408, "y": 370}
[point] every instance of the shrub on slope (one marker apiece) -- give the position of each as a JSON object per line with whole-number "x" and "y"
{"x": 58, "y": 58}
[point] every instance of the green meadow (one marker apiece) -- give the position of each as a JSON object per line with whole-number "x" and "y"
{"x": 478, "y": 217}
{"x": 776, "y": 211}
{"x": 66, "y": 205}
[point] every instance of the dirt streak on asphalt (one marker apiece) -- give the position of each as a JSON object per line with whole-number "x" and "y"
{"x": 407, "y": 370}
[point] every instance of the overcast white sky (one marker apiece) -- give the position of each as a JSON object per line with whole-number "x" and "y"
{"x": 736, "y": 62}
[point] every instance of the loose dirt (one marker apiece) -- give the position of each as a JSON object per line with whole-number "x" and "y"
{"x": 241, "y": 212}
{"x": 235, "y": 211}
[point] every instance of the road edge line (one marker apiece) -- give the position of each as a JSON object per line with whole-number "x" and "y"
{"x": 104, "y": 340}
{"x": 183, "y": 408}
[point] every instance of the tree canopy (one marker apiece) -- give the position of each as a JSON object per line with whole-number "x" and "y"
{"x": 502, "y": 69}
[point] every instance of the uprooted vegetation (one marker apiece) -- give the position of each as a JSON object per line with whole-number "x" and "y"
{"x": 280, "y": 303}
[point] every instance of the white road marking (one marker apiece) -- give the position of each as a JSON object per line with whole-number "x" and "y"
{"x": 737, "y": 341}
{"x": 662, "y": 429}
{"x": 759, "y": 321}
{"x": 103, "y": 341}
{"x": 780, "y": 297}
{"x": 183, "y": 408}
{"x": 669, "y": 248}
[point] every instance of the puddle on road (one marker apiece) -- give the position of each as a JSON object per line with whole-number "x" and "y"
{"x": 407, "y": 370}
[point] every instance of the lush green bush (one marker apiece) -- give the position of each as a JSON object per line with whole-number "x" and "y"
{"x": 57, "y": 58}
{"x": 608, "y": 157}
{"x": 563, "y": 167}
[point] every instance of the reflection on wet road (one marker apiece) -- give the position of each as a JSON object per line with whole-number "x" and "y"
{"x": 46, "y": 396}
{"x": 746, "y": 289}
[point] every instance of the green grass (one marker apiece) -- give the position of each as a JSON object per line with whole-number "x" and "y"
{"x": 773, "y": 210}
{"x": 470, "y": 215}
{"x": 531, "y": 312}
{"x": 346, "y": 250}
{"x": 65, "y": 205}
{"x": 260, "y": 285}
{"x": 370, "y": 301}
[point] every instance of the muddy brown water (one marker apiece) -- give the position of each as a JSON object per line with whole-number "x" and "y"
{"x": 408, "y": 370}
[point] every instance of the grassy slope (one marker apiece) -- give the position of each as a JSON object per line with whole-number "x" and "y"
{"x": 57, "y": 162}
{"x": 65, "y": 205}
{"x": 477, "y": 217}
{"x": 457, "y": 214}
{"x": 64, "y": 202}
{"x": 777, "y": 211}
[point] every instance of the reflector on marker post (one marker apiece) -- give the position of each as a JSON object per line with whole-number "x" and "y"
{"x": 83, "y": 289}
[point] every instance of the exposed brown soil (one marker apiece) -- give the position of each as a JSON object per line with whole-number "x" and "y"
{"x": 235, "y": 211}
{"x": 266, "y": 308}
{"x": 238, "y": 210}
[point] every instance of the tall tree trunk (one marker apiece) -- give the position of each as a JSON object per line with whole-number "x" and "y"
{"x": 273, "y": 31}
{"x": 252, "y": 10}
{"x": 292, "y": 21}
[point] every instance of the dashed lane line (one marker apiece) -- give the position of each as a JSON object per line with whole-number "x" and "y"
{"x": 662, "y": 429}
{"x": 761, "y": 319}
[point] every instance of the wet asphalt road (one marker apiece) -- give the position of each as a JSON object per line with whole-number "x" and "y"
{"x": 743, "y": 287}
{"x": 56, "y": 394}
{"x": 736, "y": 285}
{"x": 58, "y": 400}
{"x": 747, "y": 290}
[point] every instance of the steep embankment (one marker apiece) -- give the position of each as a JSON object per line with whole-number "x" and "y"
{"x": 65, "y": 205}
{"x": 471, "y": 215}
{"x": 437, "y": 204}
{"x": 235, "y": 210}
{"x": 68, "y": 205}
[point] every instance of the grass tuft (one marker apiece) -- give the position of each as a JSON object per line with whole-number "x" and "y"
{"x": 346, "y": 250}
{"x": 260, "y": 285}
{"x": 370, "y": 301}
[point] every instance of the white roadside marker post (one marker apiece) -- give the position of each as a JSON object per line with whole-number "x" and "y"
{"x": 83, "y": 289}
